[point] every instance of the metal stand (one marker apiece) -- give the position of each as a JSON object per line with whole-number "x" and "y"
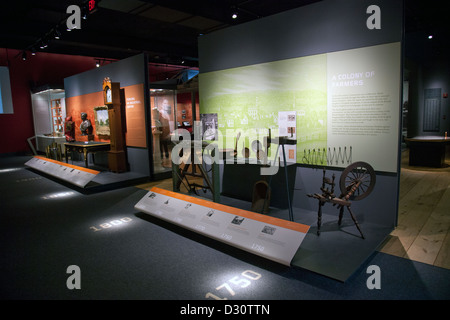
{"x": 281, "y": 141}
{"x": 180, "y": 176}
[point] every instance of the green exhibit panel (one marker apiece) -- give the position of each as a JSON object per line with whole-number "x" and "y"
{"x": 78, "y": 176}
{"x": 272, "y": 238}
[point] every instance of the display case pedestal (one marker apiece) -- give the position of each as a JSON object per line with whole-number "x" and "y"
{"x": 117, "y": 161}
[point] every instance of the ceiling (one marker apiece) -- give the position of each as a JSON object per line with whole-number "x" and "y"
{"x": 168, "y": 29}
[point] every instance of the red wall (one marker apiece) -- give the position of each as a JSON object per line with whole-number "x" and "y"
{"x": 184, "y": 102}
{"x": 41, "y": 69}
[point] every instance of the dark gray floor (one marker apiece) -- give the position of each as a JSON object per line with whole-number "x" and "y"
{"x": 45, "y": 227}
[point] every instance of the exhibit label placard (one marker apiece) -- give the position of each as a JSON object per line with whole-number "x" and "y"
{"x": 268, "y": 237}
{"x": 64, "y": 171}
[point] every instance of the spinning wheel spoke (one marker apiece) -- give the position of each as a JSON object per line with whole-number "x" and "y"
{"x": 362, "y": 188}
{"x": 365, "y": 185}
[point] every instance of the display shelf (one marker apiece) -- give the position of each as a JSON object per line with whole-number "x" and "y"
{"x": 57, "y": 121}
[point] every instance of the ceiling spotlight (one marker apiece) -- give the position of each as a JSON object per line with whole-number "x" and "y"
{"x": 430, "y": 36}
{"x": 234, "y": 12}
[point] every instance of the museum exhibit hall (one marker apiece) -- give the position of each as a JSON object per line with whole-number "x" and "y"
{"x": 241, "y": 153}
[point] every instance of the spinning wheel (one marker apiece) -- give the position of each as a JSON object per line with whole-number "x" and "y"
{"x": 359, "y": 176}
{"x": 357, "y": 182}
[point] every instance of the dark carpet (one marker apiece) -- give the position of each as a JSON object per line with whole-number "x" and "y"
{"x": 45, "y": 227}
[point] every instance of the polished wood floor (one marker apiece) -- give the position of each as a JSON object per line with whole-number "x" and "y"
{"x": 423, "y": 227}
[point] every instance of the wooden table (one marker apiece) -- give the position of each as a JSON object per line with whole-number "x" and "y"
{"x": 85, "y": 148}
{"x": 428, "y": 151}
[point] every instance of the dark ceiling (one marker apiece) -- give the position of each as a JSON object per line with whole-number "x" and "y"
{"x": 168, "y": 29}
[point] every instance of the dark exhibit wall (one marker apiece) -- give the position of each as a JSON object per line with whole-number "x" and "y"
{"x": 128, "y": 72}
{"x": 425, "y": 118}
{"x": 327, "y": 26}
{"x": 84, "y": 93}
{"x": 338, "y": 44}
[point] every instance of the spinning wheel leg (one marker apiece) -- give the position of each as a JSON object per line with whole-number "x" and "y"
{"x": 319, "y": 218}
{"x": 341, "y": 214}
{"x": 356, "y": 222}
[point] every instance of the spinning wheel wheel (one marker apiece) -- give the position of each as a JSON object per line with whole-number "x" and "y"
{"x": 357, "y": 181}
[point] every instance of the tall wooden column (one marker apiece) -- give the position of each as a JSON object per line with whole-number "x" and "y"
{"x": 117, "y": 160}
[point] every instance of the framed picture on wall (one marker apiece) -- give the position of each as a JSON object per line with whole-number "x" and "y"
{"x": 101, "y": 121}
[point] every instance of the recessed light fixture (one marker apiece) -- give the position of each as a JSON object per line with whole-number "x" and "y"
{"x": 234, "y": 15}
{"x": 430, "y": 36}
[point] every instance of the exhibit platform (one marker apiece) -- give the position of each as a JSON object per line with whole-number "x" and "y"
{"x": 339, "y": 251}
{"x": 95, "y": 178}
{"x": 428, "y": 151}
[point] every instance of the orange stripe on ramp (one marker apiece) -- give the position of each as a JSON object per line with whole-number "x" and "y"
{"x": 239, "y": 212}
{"x": 68, "y": 165}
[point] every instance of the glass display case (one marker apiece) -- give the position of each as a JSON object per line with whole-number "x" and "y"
{"x": 163, "y": 114}
{"x": 49, "y": 112}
